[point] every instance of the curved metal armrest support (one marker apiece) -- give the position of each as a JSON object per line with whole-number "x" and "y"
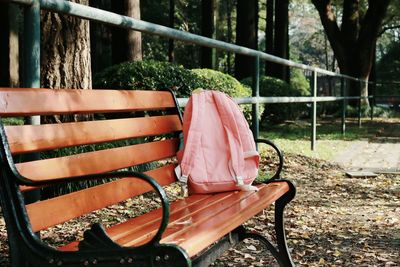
{"x": 122, "y": 174}
{"x": 278, "y": 152}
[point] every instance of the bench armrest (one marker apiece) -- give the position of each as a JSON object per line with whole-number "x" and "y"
{"x": 280, "y": 156}
{"x": 118, "y": 174}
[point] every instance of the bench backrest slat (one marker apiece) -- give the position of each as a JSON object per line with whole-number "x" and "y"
{"x": 47, "y": 213}
{"x": 142, "y": 129}
{"x": 35, "y": 138}
{"x": 98, "y": 161}
{"x": 26, "y": 102}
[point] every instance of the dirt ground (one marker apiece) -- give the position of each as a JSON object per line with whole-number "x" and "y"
{"x": 333, "y": 221}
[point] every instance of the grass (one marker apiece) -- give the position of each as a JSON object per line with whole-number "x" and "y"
{"x": 294, "y": 137}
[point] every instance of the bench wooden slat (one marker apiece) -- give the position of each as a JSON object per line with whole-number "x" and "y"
{"x": 98, "y": 161}
{"x": 64, "y": 101}
{"x": 47, "y": 213}
{"x": 206, "y": 219}
{"x": 34, "y": 138}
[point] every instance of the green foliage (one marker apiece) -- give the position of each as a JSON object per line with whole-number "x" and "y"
{"x": 388, "y": 69}
{"x": 216, "y": 80}
{"x": 269, "y": 86}
{"x": 148, "y": 75}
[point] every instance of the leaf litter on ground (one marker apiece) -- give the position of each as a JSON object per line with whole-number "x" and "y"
{"x": 334, "y": 220}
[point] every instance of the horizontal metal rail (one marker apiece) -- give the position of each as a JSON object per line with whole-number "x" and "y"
{"x": 284, "y": 99}
{"x": 102, "y": 16}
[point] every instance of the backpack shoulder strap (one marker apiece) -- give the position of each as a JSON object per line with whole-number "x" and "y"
{"x": 193, "y": 137}
{"x": 228, "y": 118}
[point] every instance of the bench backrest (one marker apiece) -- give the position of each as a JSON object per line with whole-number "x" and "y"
{"x": 145, "y": 124}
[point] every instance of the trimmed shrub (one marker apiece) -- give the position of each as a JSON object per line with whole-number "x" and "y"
{"x": 270, "y": 86}
{"x": 216, "y": 80}
{"x": 164, "y": 75}
{"x": 148, "y": 75}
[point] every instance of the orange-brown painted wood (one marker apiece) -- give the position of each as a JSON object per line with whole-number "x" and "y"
{"x": 34, "y": 138}
{"x": 195, "y": 225}
{"x": 47, "y": 213}
{"x": 98, "y": 161}
{"x": 28, "y": 101}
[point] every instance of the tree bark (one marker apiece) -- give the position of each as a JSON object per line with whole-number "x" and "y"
{"x": 246, "y": 35}
{"x": 269, "y": 36}
{"x": 171, "y": 55}
{"x": 65, "y": 51}
{"x": 126, "y": 44}
{"x": 4, "y": 46}
{"x": 354, "y": 43}
{"x": 134, "y": 37}
{"x": 281, "y": 38}
{"x": 65, "y": 60}
{"x": 208, "y": 19}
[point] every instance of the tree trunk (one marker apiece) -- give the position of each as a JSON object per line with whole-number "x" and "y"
{"x": 229, "y": 25}
{"x": 208, "y": 19}
{"x": 134, "y": 37}
{"x": 354, "y": 42}
{"x": 4, "y": 46}
{"x": 100, "y": 40}
{"x": 246, "y": 35}
{"x": 126, "y": 44}
{"x": 269, "y": 36}
{"x": 281, "y": 38}
{"x": 171, "y": 56}
{"x": 65, "y": 60}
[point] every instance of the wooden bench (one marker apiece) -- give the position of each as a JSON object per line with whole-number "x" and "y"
{"x": 192, "y": 231}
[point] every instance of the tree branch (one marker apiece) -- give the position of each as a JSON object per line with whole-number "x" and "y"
{"x": 329, "y": 22}
{"x": 384, "y": 29}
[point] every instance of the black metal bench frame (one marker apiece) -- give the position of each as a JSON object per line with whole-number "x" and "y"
{"x": 97, "y": 249}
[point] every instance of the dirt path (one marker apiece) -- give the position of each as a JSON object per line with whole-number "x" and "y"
{"x": 333, "y": 221}
{"x": 379, "y": 154}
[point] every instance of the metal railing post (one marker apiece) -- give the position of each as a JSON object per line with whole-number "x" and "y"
{"x": 372, "y": 103}
{"x": 31, "y": 70}
{"x": 344, "y": 104}
{"x": 314, "y": 111}
{"x": 256, "y": 93}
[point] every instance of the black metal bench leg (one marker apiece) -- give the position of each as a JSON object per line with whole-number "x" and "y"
{"x": 285, "y": 258}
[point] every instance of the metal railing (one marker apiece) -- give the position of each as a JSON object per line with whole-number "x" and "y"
{"x": 32, "y": 56}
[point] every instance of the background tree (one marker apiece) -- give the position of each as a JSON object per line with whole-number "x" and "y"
{"x": 65, "y": 51}
{"x": 208, "y": 29}
{"x": 354, "y": 41}
{"x": 246, "y": 35}
{"x": 126, "y": 44}
{"x": 281, "y": 38}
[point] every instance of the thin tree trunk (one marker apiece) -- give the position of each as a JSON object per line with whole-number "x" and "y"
{"x": 281, "y": 37}
{"x": 134, "y": 37}
{"x": 4, "y": 46}
{"x": 171, "y": 56}
{"x": 246, "y": 35}
{"x": 208, "y": 18}
{"x": 229, "y": 24}
{"x": 269, "y": 36}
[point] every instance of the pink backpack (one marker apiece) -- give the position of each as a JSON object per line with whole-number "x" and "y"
{"x": 219, "y": 151}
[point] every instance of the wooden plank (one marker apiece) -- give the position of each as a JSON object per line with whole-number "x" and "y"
{"x": 29, "y": 101}
{"x": 199, "y": 224}
{"x": 98, "y": 161}
{"x": 47, "y": 213}
{"x": 34, "y": 138}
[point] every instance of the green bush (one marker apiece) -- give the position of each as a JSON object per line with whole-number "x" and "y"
{"x": 216, "y": 80}
{"x": 270, "y": 86}
{"x": 164, "y": 75}
{"x": 148, "y": 75}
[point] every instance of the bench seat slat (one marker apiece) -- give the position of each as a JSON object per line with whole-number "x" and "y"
{"x": 34, "y": 138}
{"x": 47, "y": 213}
{"x": 200, "y": 223}
{"x": 98, "y": 161}
{"x": 65, "y": 101}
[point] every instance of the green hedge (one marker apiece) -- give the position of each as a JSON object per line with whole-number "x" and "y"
{"x": 270, "y": 86}
{"x": 164, "y": 75}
